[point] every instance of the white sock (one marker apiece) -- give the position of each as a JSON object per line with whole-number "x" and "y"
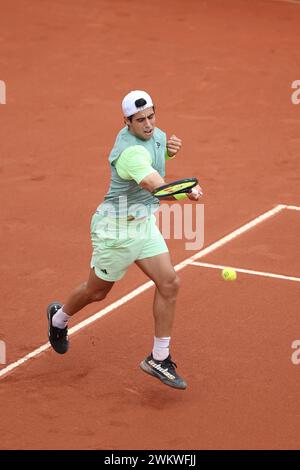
{"x": 161, "y": 348}
{"x": 60, "y": 319}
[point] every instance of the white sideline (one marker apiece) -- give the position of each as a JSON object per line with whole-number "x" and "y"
{"x": 247, "y": 271}
{"x": 147, "y": 285}
{"x": 288, "y": 1}
{"x": 297, "y": 2}
{"x": 293, "y": 208}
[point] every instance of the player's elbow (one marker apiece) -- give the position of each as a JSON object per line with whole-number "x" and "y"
{"x": 152, "y": 181}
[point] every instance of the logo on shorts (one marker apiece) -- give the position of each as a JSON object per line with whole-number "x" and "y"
{"x": 104, "y": 271}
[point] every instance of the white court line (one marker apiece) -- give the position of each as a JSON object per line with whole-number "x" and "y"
{"x": 247, "y": 271}
{"x": 231, "y": 236}
{"x": 147, "y": 285}
{"x": 293, "y": 208}
{"x": 287, "y": 1}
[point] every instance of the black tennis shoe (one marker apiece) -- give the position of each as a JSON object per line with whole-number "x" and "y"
{"x": 58, "y": 337}
{"x": 164, "y": 371}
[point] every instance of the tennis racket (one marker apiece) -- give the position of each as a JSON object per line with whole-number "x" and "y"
{"x": 177, "y": 187}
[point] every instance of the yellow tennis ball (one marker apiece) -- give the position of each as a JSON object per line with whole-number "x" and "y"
{"x": 229, "y": 274}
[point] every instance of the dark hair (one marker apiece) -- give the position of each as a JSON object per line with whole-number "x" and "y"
{"x": 130, "y": 117}
{"x": 140, "y": 102}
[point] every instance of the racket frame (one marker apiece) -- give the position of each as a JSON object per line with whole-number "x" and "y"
{"x": 191, "y": 183}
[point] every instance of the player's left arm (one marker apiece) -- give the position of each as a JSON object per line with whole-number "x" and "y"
{"x": 174, "y": 144}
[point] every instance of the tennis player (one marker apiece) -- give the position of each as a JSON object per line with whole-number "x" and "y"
{"x": 124, "y": 231}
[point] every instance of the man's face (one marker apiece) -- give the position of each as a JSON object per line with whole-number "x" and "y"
{"x": 142, "y": 124}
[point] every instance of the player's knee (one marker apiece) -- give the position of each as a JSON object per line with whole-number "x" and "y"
{"x": 170, "y": 286}
{"x": 176, "y": 284}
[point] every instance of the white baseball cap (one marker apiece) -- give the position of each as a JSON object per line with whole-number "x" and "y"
{"x": 136, "y": 101}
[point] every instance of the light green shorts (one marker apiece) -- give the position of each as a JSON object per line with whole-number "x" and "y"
{"x": 117, "y": 243}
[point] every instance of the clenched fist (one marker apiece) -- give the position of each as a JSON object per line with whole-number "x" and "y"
{"x": 173, "y": 145}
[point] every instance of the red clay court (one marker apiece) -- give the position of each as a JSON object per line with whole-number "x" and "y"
{"x": 221, "y": 74}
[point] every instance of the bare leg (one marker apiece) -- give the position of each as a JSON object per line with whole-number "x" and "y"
{"x": 160, "y": 270}
{"x": 93, "y": 290}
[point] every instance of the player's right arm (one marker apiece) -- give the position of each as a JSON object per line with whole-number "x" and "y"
{"x": 135, "y": 163}
{"x": 152, "y": 181}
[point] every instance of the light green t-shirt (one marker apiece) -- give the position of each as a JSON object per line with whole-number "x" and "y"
{"x": 134, "y": 163}
{"x": 124, "y": 193}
